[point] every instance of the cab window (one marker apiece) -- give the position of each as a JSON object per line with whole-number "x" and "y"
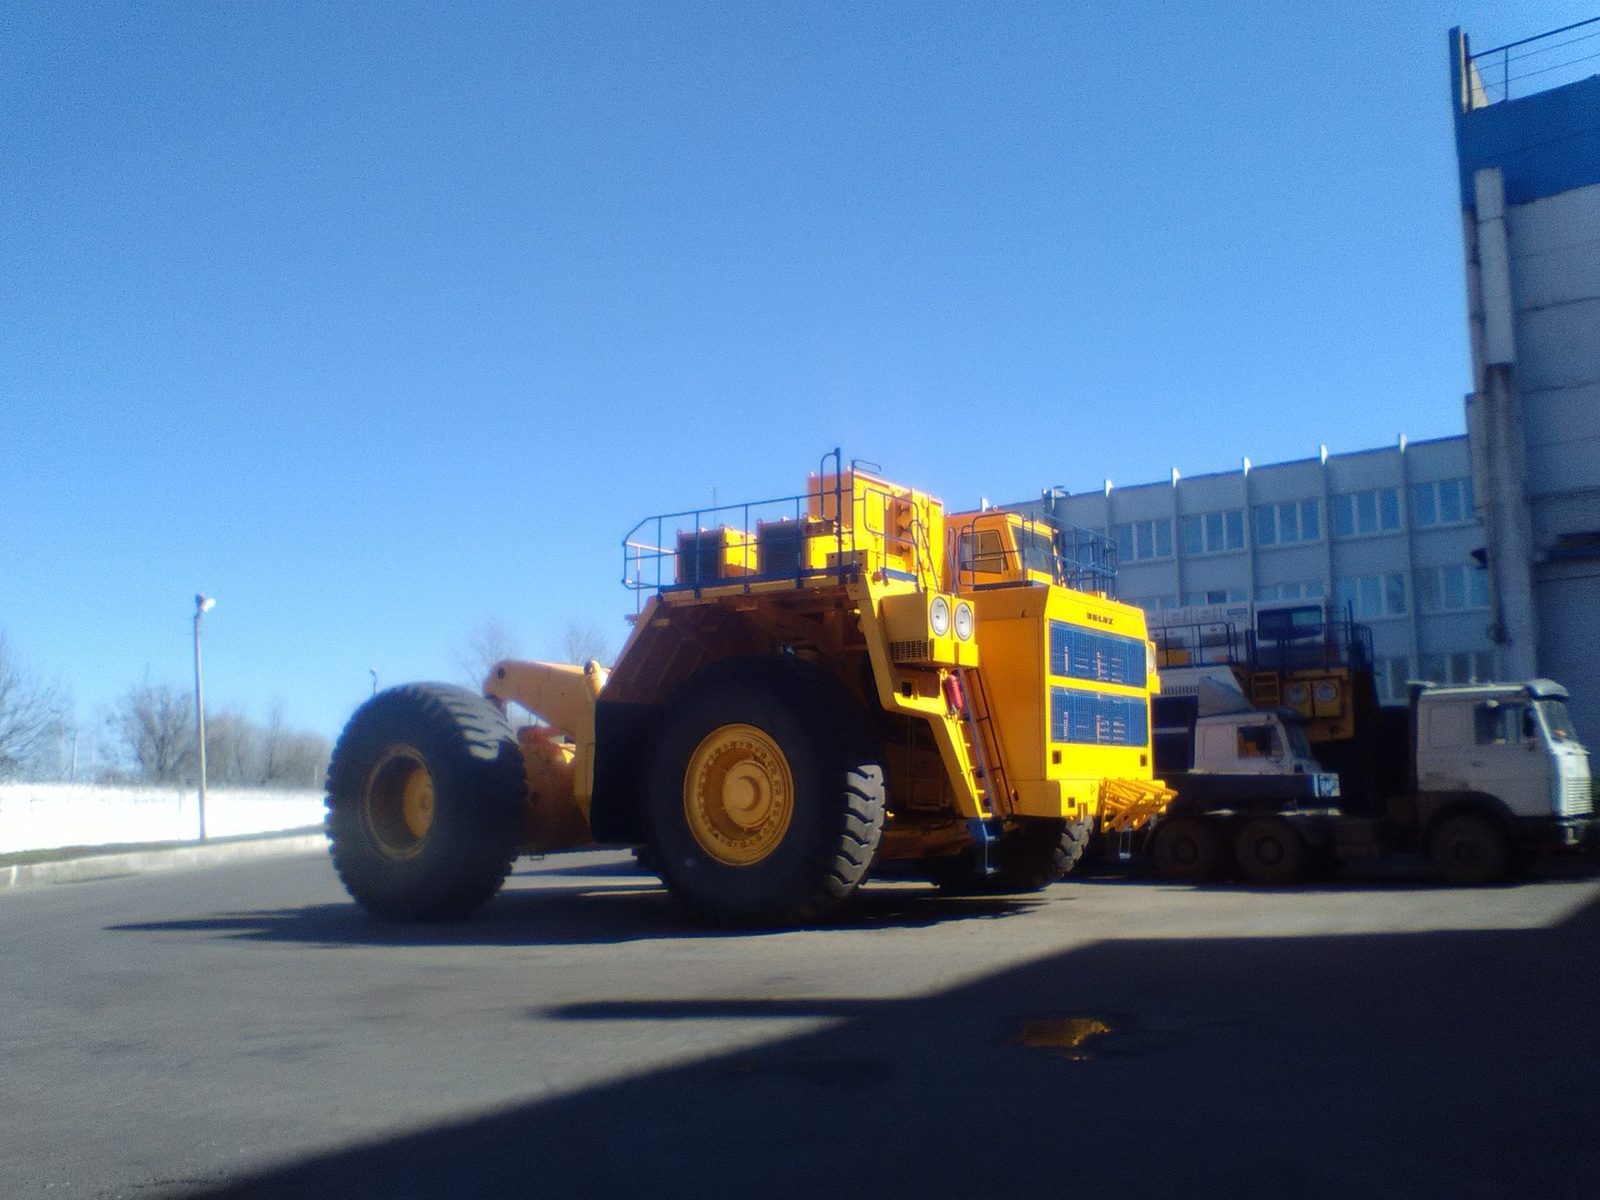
{"x": 1259, "y": 741}
{"x": 983, "y": 551}
{"x": 1038, "y": 551}
{"x": 1497, "y": 724}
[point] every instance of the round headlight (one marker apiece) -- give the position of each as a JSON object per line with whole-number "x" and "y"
{"x": 1297, "y": 693}
{"x": 939, "y": 616}
{"x": 1326, "y": 692}
{"x": 964, "y": 620}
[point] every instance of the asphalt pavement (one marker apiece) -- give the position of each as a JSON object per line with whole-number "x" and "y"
{"x": 246, "y": 1031}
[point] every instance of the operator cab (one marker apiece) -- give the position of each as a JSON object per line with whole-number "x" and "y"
{"x": 996, "y": 547}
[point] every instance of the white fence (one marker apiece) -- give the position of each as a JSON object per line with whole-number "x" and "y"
{"x": 41, "y": 816}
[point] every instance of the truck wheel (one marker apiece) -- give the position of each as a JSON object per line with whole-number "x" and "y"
{"x": 1270, "y": 850}
{"x": 1030, "y": 855}
{"x": 766, "y": 795}
{"x": 1188, "y": 850}
{"x": 425, "y": 803}
{"x": 1469, "y": 850}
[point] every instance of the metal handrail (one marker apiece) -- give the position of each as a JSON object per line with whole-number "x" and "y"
{"x": 1506, "y": 58}
{"x": 1066, "y": 571}
{"x": 651, "y": 552}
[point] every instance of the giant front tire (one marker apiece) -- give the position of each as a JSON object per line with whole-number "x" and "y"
{"x": 425, "y": 803}
{"x": 766, "y": 798}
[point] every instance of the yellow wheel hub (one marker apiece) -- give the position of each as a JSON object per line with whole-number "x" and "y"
{"x": 738, "y": 795}
{"x": 398, "y": 805}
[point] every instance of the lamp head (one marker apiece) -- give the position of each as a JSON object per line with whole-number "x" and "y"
{"x": 204, "y": 604}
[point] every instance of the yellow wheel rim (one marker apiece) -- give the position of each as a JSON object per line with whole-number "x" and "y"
{"x": 398, "y": 805}
{"x": 738, "y": 795}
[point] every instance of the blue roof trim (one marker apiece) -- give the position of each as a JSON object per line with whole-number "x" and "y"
{"x": 1544, "y": 144}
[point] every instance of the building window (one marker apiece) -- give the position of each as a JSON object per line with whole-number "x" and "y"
{"x": 1446, "y": 589}
{"x": 1306, "y": 589}
{"x": 1154, "y": 604}
{"x": 1370, "y": 596}
{"x": 1209, "y": 533}
{"x": 1475, "y": 666}
{"x": 1216, "y": 596}
{"x": 1366, "y": 512}
{"x": 1389, "y": 678}
{"x": 1144, "y": 539}
{"x": 1447, "y": 502}
{"x": 1284, "y": 524}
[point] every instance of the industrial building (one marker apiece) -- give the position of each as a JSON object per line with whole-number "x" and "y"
{"x": 1387, "y": 534}
{"x": 1470, "y": 557}
{"x": 1528, "y": 148}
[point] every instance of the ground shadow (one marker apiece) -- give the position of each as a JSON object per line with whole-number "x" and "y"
{"x": 1457, "y": 1064}
{"x": 568, "y": 913}
{"x": 1389, "y": 873}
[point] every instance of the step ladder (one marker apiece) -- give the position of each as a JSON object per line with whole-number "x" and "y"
{"x": 983, "y": 742}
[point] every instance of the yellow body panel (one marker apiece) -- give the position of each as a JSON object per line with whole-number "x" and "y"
{"x": 1054, "y": 772}
{"x": 564, "y": 696}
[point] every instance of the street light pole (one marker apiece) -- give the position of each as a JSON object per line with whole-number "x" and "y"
{"x": 202, "y": 605}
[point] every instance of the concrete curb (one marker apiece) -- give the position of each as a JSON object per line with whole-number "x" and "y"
{"x": 107, "y": 866}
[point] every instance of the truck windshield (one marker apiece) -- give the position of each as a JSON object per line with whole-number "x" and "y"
{"x": 1038, "y": 550}
{"x": 1557, "y": 720}
{"x": 1299, "y": 747}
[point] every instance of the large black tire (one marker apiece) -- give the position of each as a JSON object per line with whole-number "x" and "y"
{"x": 1469, "y": 850}
{"x": 1030, "y": 855}
{"x": 1270, "y": 850}
{"x": 1188, "y": 850}
{"x": 425, "y": 803}
{"x": 799, "y": 868}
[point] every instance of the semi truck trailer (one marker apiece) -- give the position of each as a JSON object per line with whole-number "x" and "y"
{"x": 1478, "y": 778}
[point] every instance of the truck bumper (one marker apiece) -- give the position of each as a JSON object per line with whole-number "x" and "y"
{"x": 1561, "y": 832}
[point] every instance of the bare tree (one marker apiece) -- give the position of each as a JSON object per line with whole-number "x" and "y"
{"x": 155, "y": 725}
{"x": 491, "y": 641}
{"x": 302, "y": 761}
{"x": 34, "y": 716}
{"x": 580, "y": 641}
{"x": 289, "y": 757}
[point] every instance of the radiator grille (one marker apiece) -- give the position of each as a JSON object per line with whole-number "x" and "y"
{"x": 912, "y": 651}
{"x": 1577, "y": 797}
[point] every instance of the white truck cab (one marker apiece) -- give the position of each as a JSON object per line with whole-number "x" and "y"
{"x": 1512, "y": 743}
{"x": 1253, "y": 743}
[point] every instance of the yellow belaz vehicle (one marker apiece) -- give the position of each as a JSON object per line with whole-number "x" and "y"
{"x": 813, "y": 686}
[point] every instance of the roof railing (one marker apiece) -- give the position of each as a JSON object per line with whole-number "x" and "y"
{"x": 1493, "y": 72}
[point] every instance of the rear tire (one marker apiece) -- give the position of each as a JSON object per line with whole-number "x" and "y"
{"x": 1270, "y": 850}
{"x": 426, "y": 803}
{"x": 1469, "y": 850}
{"x": 766, "y": 797}
{"x": 1188, "y": 850}
{"x": 1032, "y": 854}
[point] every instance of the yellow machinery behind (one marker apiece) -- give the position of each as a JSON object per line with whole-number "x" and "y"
{"x": 813, "y": 686}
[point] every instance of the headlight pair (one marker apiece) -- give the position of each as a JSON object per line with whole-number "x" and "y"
{"x": 939, "y": 618}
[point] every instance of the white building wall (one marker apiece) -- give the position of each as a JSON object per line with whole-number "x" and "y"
{"x": 1446, "y": 644}
{"x": 1554, "y": 267}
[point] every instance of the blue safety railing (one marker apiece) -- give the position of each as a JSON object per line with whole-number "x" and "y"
{"x": 1534, "y": 64}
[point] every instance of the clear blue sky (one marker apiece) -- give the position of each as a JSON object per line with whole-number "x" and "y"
{"x": 375, "y": 320}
